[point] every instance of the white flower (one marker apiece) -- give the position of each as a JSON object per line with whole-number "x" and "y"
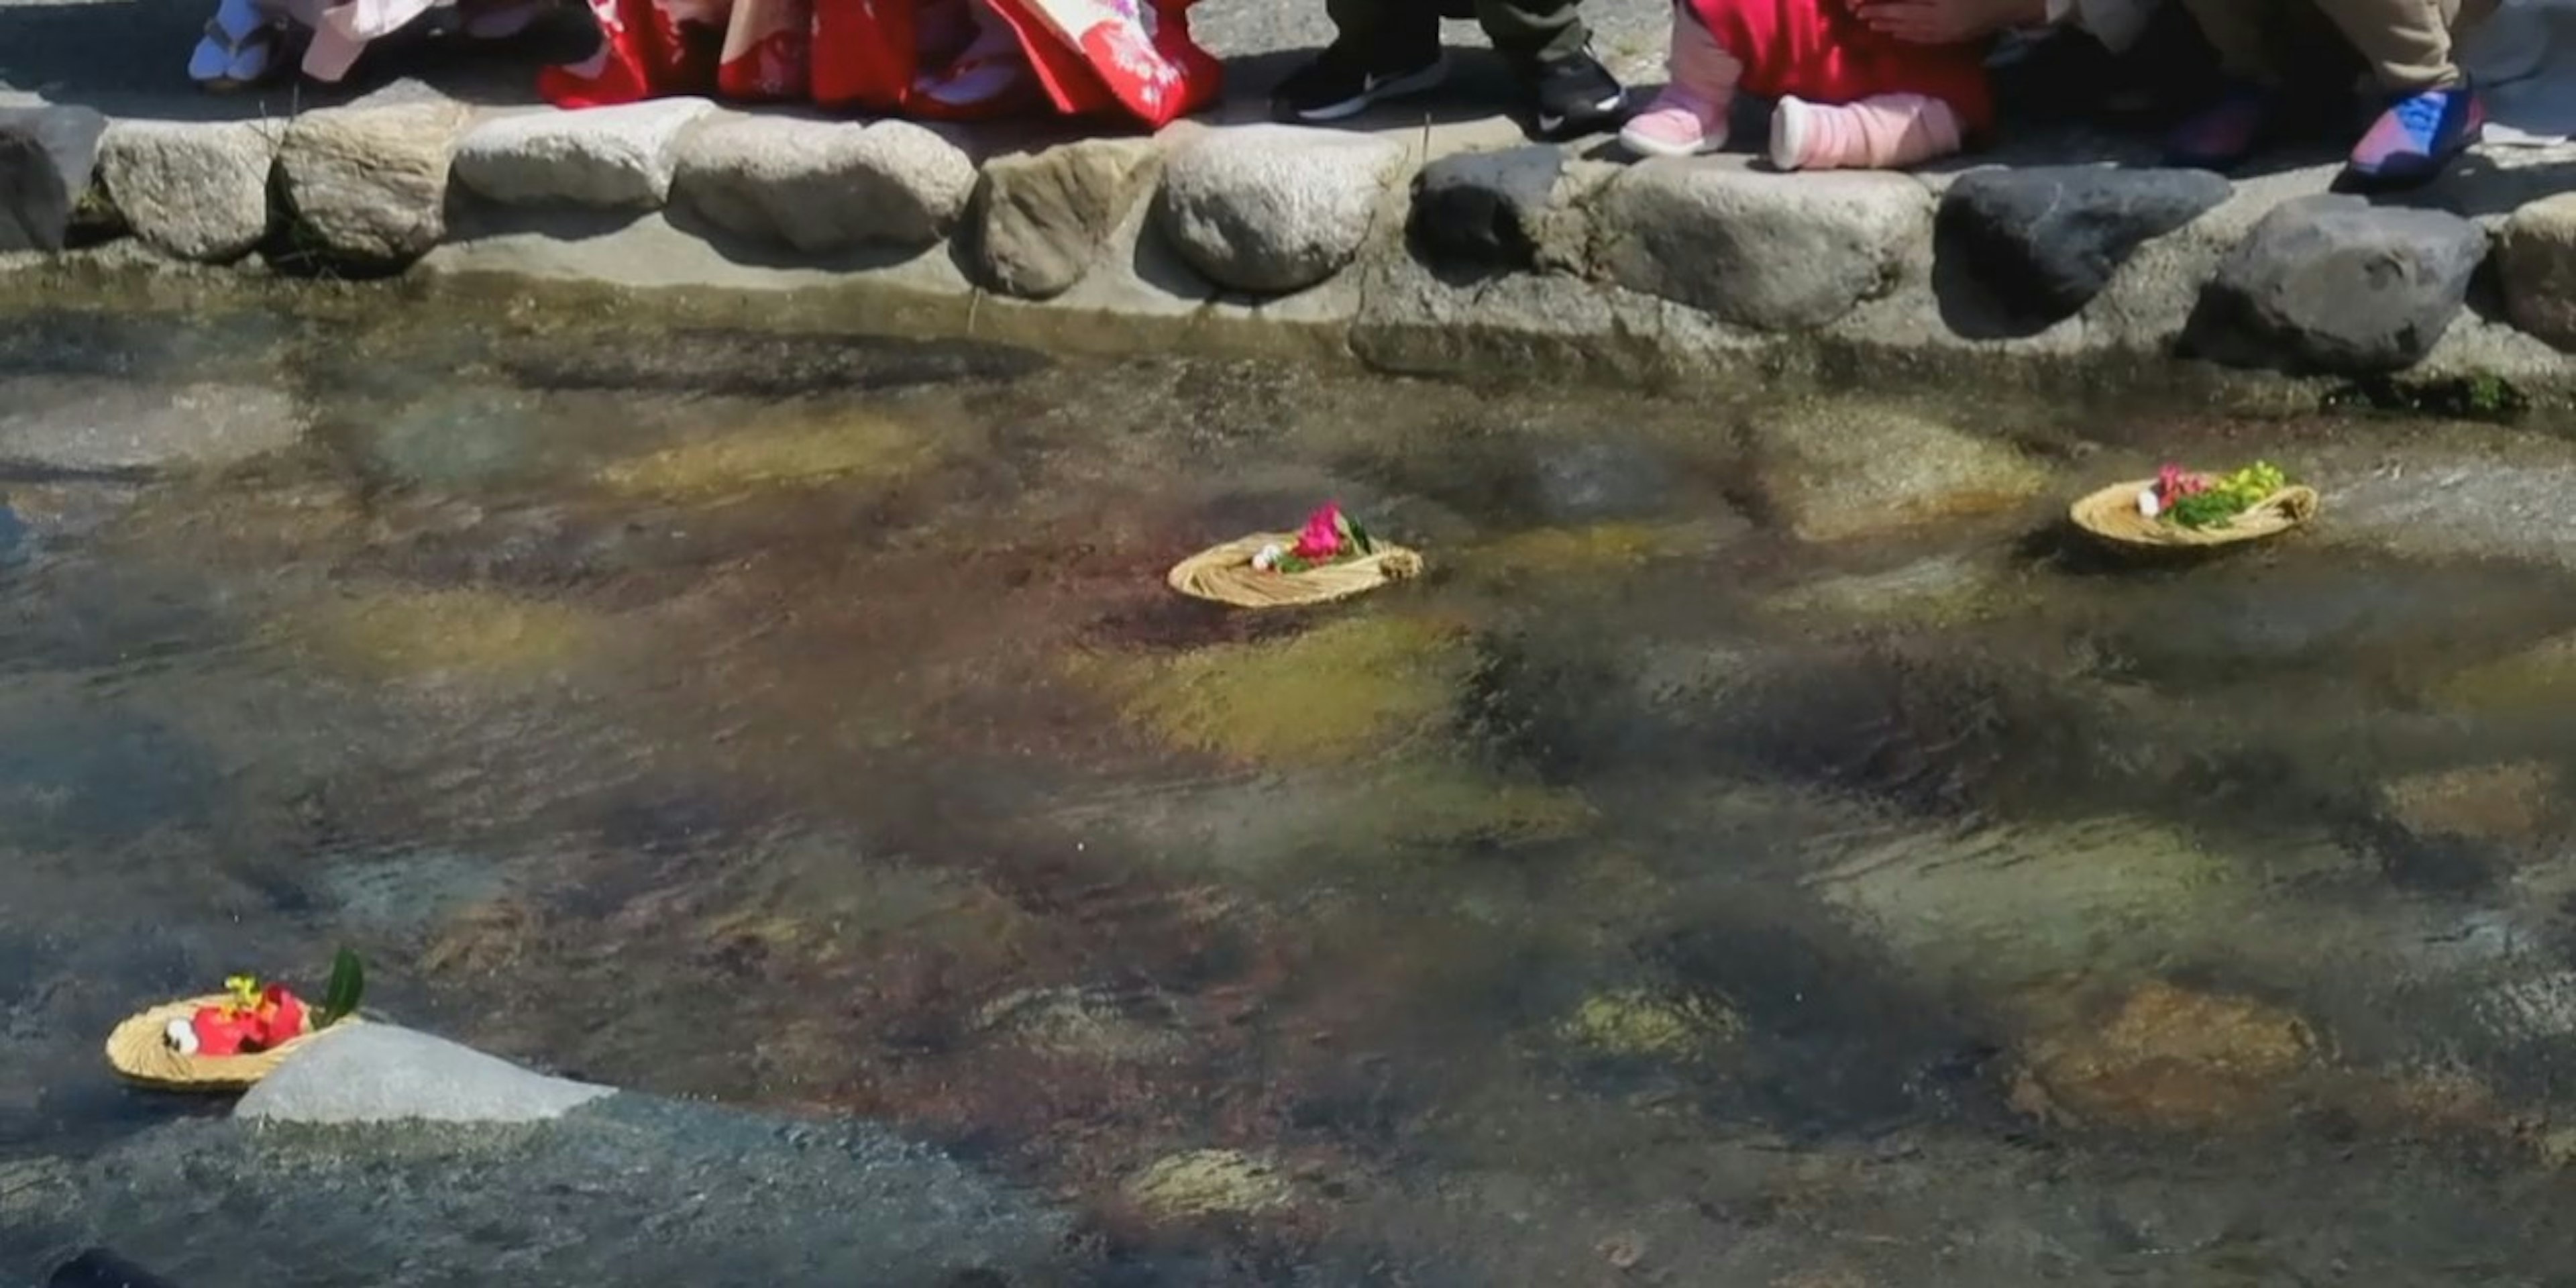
{"x": 2147, "y": 504}
{"x": 1268, "y": 557}
{"x": 182, "y": 1037}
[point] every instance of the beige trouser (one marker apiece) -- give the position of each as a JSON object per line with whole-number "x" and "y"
{"x": 2405, "y": 43}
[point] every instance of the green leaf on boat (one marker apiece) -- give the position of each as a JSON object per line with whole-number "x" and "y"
{"x": 348, "y": 986}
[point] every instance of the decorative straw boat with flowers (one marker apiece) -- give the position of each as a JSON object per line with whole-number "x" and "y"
{"x": 2182, "y": 510}
{"x": 1331, "y": 558}
{"x": 230, "y": 1040}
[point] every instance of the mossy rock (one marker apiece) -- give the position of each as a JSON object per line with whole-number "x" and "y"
{"x": 1209, "y": 1182}
{"x": 1636, "y": 1023}
{"x": 2166, "y": 1057}
{"x": 407, "y": 633}
{"x": 1841, "y": 468}
{"x": 1351, "y": 689}
{"x": 2537, "y": 681}
{"x": 811, "y": 449}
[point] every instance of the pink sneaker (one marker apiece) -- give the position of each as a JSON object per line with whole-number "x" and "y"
{"x": 1689, "y": 117}
{"x": 1678, "y": 123}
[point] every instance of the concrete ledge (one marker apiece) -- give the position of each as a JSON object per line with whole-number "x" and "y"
{"x": 1395, "y": 250}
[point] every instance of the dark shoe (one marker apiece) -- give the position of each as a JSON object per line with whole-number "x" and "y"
{"x": 1345, "y": 79}
{"x": 2417, "y": 137}
{"x": 1576, "y": 96}
{"x": 2222, "y": 135}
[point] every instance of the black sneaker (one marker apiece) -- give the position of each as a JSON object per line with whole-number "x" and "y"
{"x": 1346, "y": 78}
{"x": 1576, "y": 96}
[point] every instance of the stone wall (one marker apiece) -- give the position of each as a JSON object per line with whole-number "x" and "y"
{"x": 1387, "y": 247}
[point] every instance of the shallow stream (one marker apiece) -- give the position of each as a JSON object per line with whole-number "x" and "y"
{"x": 1764, "y": 850}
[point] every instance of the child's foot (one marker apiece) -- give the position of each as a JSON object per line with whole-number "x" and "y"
{"x": 1576, "y": 96}
{"x": 238, "y": 49}
{"x": 1678, "y": 123}
{"x": 2417, "y": 137}
{"x": 1348, "y": 77}
{"x": 2222, "y": 135}
{"x": 1877, "y": 133}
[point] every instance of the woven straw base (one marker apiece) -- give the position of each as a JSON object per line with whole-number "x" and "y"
{"x": 2112, "y": 515}
{"x": 1225, "y": 574}
{"x": 141, "y": 1052}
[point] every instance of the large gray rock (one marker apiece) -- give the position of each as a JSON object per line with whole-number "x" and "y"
{"x": 2332, "y": 283}
{"x": 381, "y": 1073}
{"x": 47, "y": 155}
{"x": 617, "y": 158}
{"x": 2044, "y": 241}
{"x": 369, "y": 184}
{"x": 1272, "y": 209}
{"x": 1775, "y": 252}
{"x": 626, "y": 1190}
{"x": 824, "y": 186}
{"x": 1045, "y": 215}
{"x": 2536, "y": 259}
{"x": 1485, "y": 209}
{"x": 195, "y": 190}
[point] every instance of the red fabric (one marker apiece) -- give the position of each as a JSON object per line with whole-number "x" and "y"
{"x": 1821, "y": 51}
{"x": 871, "y": 55}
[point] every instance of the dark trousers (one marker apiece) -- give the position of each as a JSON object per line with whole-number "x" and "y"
{"x": 1525, "y": 30}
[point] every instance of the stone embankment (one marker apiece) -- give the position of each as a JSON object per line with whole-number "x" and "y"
{"x": 1412, "y": 250}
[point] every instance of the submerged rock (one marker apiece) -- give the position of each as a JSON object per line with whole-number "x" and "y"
{"x": 2000, "y": 907}
{"x": 2166, "y": 1057}
{"x": 86, "y": 425}
{"x": 1848, "y": 468}
{"x": 2538, "y": 682}
{"x": 1344, "y": 691}
{"x": 622, "y": 1190}
{"x": 1273, "y": 209}
{"x": 1633, "y": 1022}
{"x": 791, "y": 451}
{"x": 383, "y": 1073}
{"x": 405, "y": 633}
{"x": 1210, "y": 1181}
{"x": 2508, "y": 803}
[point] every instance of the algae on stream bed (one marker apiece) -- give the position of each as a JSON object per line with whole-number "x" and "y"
{"x": 1710, "y": 873}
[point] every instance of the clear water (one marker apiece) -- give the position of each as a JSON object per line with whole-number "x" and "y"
{"x": 1650, "y": 895}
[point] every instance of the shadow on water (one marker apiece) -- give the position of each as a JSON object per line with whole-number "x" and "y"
{"x": 1645, "y": 888}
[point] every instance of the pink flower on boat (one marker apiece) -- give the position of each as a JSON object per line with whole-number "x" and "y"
{"x": 1322, "y": 538}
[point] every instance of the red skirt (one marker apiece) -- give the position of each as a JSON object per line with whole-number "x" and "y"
{"x": 1820, "y": 50}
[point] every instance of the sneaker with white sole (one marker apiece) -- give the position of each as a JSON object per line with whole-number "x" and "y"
{"x": 1346, "y": 79}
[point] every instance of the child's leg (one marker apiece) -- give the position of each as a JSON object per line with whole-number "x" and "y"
{"x": 1689, "y": 117}
{"x": 1881, "y": 132}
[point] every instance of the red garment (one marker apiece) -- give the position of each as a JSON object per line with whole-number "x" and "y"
{"x": 1821, "y": 51}
{"x": 872, "y": 55}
